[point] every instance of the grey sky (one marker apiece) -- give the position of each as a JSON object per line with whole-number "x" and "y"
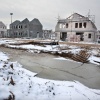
{"x": 47, "y": 11}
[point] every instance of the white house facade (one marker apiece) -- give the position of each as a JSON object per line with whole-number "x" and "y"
{"x": 98, "y": 36}
{"x": 76, "y": 28}
{"x": 3, "y": 30}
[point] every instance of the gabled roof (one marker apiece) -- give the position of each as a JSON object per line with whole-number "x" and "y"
{"x": 77, "y": 16}
{"x": 16, "y": 22}
{"x": 25, "y": 21}
{"x": 74, "y": 17}
{"x": 35, "y": 21}
{"x": 2, "y": 24}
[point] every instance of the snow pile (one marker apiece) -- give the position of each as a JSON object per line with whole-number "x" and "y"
{"x": 17, "y": 83}
{"x": 56, "y": 48}
{"x": 94, "y": 60}
{"x": 94, "y": 52}
{"x": 7, "y": 41}
{"x": 35, "y": 47}
{"x": 3, "y": 57}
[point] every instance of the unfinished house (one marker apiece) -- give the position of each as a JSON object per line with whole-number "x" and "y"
{"x": 76, "y": 28}
{"x": 98, "y": 36}
{"x": 26, "y": 29}
{"x": 3, "y": 30}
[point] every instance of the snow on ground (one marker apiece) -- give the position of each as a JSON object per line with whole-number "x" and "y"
{"x": 5, "y": 41}
{"x": 50, "y": 48}
{"x": 35, "y": 47}
{"x": 62, "y": 58}
{"x": 73, "y": 50}
{"x": 21, "y": 84}
{"x": 94, "y": 60}
{"x": 3, "y": 57}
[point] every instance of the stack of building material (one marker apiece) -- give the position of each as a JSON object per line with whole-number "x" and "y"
{"x": 82, "y": 56}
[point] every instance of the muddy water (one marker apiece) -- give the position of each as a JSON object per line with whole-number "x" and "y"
{"x": 47, "y": 67}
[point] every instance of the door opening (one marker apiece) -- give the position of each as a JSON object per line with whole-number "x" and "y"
{"x": 81, "y": 36}
{"x": 63, "y": 36}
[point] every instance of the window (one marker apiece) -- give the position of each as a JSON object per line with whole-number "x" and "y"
{"x": 84, "y": 24}
{"x": 25, "y": 26}
{"x": 14, "y": 33}
{"x": 80, "y": 25}
{"x": 63, "y": 25}
{"x": 76, "y": 25}
{"x": 89, "y": 35}
{"x": 21, "y": 33}
{"x": 21, "y": 27}
{"x": 60, "y": 25}
{"x": 14, "y": 27}
{"x": 66, "y": 25}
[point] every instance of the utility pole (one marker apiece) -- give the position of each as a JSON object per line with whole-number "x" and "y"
{"x": 11, "y": 30}
{"x": 11, "y": 17}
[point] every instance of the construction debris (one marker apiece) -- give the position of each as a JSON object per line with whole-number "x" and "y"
{"x": 82, "y": 56}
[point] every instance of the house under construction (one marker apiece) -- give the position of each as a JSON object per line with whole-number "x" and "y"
{"x": 76, "y": 28}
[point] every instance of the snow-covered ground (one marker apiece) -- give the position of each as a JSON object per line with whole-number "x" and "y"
{"x": 17, "y": 83}
{"x": 21, "y": 84}
{"x": 52, "y": 48}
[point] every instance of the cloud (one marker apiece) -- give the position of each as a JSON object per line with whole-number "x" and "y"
{"x": 46, "y": 11}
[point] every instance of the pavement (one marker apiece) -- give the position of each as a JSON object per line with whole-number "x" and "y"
{"x": 49, "y": 68}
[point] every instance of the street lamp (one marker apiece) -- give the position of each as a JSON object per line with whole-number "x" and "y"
{"x": 11, "y": 17}
{"x": 11, "y": 24}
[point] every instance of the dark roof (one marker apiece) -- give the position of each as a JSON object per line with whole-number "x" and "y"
{"x": 25, "y": 21}
{"x": 35, "y": 21}
{"x": 16, "y": 22}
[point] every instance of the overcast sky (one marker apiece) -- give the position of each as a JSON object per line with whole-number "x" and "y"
{"x": 47, "y": 11}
